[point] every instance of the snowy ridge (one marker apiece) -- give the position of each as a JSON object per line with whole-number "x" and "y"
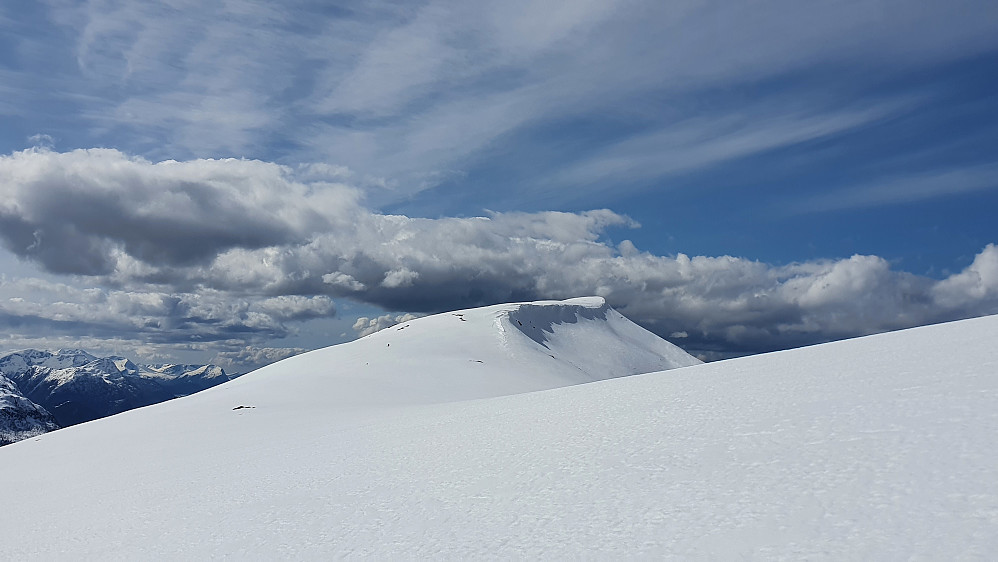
{"x": 879, "y": 448}
{"x": 21, "y": 418}
{"x": 568, "y": 329}
{"x": 18, "y": 363}
{"x": 185, "y": 379}
{"x": 468, "y": 354}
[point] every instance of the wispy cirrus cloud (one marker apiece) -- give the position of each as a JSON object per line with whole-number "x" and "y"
{"x": 698, "y": 143}
{"x": 423, "y": 91}
{"x": 900, "y": 189}
{"x": 478, "y": 91}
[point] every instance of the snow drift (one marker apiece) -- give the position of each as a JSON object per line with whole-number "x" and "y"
{"x": 882, "y": 447}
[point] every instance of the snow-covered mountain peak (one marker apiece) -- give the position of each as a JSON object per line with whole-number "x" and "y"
{"x": 468, "y": 354}
{"x": 125, "y": 365}
{"x": 21, "y": 361}
{"x": 573, "y": 330}
{"x": 104, "y": 366}
{"x": 63, "y": 358}
{"x": 166, "y": 369}
{"x": 196, "y": 375}
{"x": 206, "y": 371}
{"x": 20, "y": 418}
{"x": 536, "y": 318}
{"x": 70, "y": 352}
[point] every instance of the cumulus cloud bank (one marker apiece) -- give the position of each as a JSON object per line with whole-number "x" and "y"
{"x": 235, "y": 250}
{"x": 73, "y": 212}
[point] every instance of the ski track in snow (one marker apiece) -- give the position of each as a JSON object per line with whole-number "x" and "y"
{"x": 878, "y": 448}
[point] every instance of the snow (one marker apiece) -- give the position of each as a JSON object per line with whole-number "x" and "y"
{"x": 462, "y": 355}
{"x": 76, "y": 386}
{"x": 402, "y": 445}
{"x": 20, "y": 418}
{"x": 20, "y": 362}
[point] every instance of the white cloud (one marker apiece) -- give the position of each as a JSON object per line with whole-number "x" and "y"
{"x": 420, "y": 91}
{"x": 691, "y": 144}
{"x": 343, "y": 280}
{"x": 75, "y": 211}
{"x": 250, "y": 357}
{"x": 296, "y": 307}
{"x": 399, "y": 277}
{"x": 504, "y": 69}
{"x": 906, "y": 188}
{"x": 200, "y": 74}
{"x": 975, "y": 288}
{"x": 365, "y": 326}
{"x": 42, "y": 140}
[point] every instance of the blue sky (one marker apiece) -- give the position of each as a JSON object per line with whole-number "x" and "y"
{"x": 236, "y": 181}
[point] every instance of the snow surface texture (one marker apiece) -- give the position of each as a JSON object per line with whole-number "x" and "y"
{"x": 883, "y": 447}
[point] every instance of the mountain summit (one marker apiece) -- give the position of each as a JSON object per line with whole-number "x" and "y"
{"x": 466, "y": 354}
{"x": 21, "y": 418}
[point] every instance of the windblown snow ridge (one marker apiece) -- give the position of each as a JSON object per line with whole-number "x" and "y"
{"x": 594, "y": 338}
{"x": 468, "y": 354}
{"x": 537, "y": 320}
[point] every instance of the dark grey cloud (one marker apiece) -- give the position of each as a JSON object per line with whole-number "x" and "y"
{"x": 314, "y": 242}
{"x": 74, "y": 211}
{"x": 152, "y": 317}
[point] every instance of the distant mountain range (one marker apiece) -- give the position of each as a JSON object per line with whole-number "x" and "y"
{"x": 41, "y": 390}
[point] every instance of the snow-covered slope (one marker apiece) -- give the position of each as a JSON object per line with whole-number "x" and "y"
{"x": 883, "y": 447}
{"x": 475, "y": 353}
{"x": 21, "y": 418}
